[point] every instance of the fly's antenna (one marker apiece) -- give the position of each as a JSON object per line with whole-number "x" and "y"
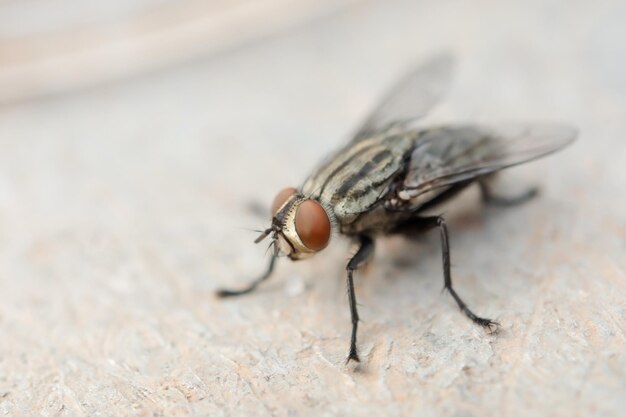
{"x": 263, "y": 235}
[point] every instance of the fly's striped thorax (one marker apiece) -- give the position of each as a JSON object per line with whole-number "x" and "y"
{"x": 359, "y": 175}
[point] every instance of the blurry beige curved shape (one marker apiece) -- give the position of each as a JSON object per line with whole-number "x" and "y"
{"x": 56, "y": 60}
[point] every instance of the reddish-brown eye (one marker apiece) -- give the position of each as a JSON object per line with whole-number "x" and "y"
{"x": 281, "y": 197}
{"x": 313, "y": 225}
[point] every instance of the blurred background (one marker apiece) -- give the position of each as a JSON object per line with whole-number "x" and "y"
{"x": 58, "y": 46}
{"x": 136, "y": 135}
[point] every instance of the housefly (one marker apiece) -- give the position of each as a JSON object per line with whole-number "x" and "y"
{"x": 391, "y": 172}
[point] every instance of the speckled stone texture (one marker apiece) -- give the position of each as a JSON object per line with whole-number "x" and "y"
{"x": 124, "y": 206}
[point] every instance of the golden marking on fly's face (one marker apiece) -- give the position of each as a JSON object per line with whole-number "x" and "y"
{"x": 301, "y": 226}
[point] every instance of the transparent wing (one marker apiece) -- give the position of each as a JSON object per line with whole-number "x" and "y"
{"x": 410, "y": 98}
{"x": 450, "y": 155}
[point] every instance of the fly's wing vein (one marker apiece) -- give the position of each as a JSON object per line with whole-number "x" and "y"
{"x": 410, "y": 99}
{"x": 449, "y": 155}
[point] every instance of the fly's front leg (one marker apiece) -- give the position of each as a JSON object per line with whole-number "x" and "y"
{"x": 438, "y": 221}
{"x": 363, "y": 253}
{"x": 489, "y": 197}
{"x": 231, "y": 293}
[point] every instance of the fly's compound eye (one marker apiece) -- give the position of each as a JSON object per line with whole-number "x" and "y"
{"x": 281, "y": 198}
{"x": 313, "y": 225}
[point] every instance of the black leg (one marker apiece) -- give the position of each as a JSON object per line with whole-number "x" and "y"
{"x": 231, "y": 293}
{"x": 438, "y": 221}
{"x": 365, "y": 250}
{"x": 490, "y": 198}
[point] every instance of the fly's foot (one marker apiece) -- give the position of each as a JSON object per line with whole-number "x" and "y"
{"x": 353, "y": 356}
{"x": 223, "y": 293}
{"x": 490, "y": 325}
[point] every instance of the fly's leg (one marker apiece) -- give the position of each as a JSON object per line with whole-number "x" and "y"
{"x": 505, "y": 201}
{"x": 231, "y": 293}
{"x": 365, "y": 249}
{"x": 438, "y": 221}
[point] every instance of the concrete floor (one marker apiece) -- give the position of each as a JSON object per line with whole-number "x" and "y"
{"x": 123, "y": 207}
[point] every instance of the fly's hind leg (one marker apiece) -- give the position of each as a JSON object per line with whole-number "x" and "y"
{"x": 252, "y": 286}
{"x": 422, "y": 224}
{"x": 360, "y": 257}
{"x": 489, "y": 197}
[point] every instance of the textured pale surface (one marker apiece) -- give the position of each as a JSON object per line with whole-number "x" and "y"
{"x": 123, "y": 207}
{"x": 60, "y": 45}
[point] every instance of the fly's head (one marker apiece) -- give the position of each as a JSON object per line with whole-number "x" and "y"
{"x": 300, "y": 227}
